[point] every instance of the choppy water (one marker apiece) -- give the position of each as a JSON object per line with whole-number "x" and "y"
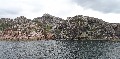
{"x": 59, "y": 49}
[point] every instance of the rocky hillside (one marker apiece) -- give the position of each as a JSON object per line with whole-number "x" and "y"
{"x": 78, "y": 27}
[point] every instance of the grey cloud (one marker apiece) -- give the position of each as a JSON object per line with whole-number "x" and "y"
{"x": 106, "y": 6}
{"x": 8, "y": 11}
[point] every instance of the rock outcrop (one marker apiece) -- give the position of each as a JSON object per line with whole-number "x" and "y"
{"x": 50, "y": 27}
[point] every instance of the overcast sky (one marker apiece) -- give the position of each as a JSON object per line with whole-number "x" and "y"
{"x": 108, "y": 10}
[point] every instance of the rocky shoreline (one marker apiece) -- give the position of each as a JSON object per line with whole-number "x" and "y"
{"x": 50, "y": 27}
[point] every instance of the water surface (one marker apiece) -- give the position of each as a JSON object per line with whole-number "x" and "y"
{"x": 59, "y": 49}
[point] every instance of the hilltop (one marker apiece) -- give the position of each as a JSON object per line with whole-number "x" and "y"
{"x": 47, "y": 27}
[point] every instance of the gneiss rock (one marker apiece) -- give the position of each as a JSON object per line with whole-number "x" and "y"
{"x": 50, "y": 27}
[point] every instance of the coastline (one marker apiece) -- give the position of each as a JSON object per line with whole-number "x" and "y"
{"x": 49, "y": 27}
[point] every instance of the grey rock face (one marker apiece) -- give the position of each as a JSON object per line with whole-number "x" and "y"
{"x": 84, "y": 27}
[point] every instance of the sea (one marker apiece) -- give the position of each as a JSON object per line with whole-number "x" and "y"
{"x": 60, "y": 49}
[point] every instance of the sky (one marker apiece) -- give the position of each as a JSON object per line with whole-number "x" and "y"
{"x": 107, "y": 10}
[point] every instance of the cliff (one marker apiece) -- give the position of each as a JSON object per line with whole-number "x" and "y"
{"x": 78, "y": 27}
